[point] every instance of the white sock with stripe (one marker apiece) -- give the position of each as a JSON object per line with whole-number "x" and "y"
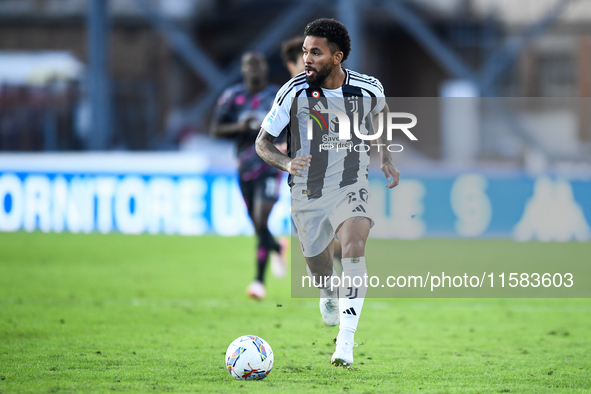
{"x": 351, "y": 296}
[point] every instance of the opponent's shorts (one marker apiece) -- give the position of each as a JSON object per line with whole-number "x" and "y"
{"x": 318, "y": 219}
{"x": 265, "y": 187}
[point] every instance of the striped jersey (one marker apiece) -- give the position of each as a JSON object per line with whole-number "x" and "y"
{"x": 303, "y": 112}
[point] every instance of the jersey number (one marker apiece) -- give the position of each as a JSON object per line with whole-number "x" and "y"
{"x": 362, "y": 196}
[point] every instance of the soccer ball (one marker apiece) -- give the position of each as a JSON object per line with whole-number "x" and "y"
{"x": 249, "y": 358}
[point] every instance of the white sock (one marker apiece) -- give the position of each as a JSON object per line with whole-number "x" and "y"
{"x": 351, "y": 296}
{"x": 325, "y": 288}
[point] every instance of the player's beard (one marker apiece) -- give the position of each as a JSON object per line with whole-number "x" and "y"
{"x": 318, "y": 78}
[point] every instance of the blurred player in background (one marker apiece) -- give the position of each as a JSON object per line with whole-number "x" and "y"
{"x": 238, "y": 115}
{"x": 292, "y": 55}
{"x": 330, "y": 192}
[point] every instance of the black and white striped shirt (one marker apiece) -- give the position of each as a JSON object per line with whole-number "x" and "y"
{"x": 297, "y": 104}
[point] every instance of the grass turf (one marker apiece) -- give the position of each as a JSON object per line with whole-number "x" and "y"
{"x": 95, "y": 313}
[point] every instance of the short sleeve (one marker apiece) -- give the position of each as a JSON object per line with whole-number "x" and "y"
{"x": 278, "y": 117}
{"x": 379, "y": 97}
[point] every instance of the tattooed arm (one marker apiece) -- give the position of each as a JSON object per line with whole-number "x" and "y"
{"x": 386, "y": 164}
{"x": 267, "y": 150}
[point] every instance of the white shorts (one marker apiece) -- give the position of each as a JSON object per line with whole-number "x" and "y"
{"x": 318, "y": 219}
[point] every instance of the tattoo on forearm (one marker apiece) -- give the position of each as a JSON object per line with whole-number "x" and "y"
{"x": 269, "y": 152}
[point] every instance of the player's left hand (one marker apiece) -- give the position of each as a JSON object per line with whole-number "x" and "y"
{"x": 391, "y": 174}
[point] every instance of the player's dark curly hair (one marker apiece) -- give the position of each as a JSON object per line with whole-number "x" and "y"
{"x": 335, "y": 32}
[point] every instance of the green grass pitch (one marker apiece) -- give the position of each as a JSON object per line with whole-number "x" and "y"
{"x": 101, "y": 313}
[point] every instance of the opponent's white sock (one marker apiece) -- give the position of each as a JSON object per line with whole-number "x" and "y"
{"x": 352, "y": 294}
{"x": 325, "y": 286}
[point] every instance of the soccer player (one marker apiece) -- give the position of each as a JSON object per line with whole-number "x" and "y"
{"x": 330, "y": 191}
{"x": 291, "y": 54}
{"x": 238, "y": 115}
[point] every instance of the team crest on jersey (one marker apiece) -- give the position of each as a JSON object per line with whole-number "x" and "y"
{"x": 316, "y": 94}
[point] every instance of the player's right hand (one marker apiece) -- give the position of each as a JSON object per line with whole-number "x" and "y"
{"x": 391, "y": 173}
{"x": 299, "y": 165}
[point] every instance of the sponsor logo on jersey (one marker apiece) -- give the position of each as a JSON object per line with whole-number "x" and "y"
{"x": 317, "y": 117}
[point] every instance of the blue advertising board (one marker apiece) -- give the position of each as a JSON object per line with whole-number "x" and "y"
{"x": 156, "y": 194}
